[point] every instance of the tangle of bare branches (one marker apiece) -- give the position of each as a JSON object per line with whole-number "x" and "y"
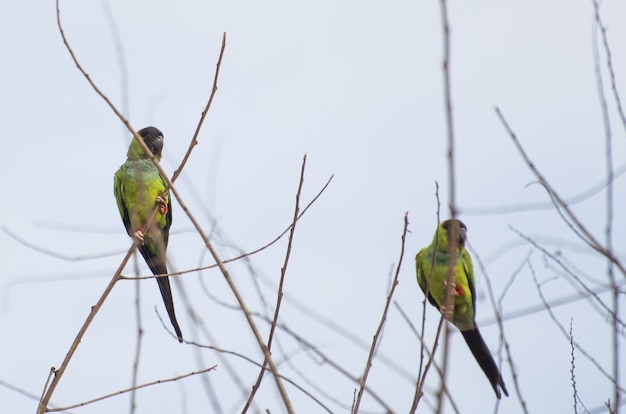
{"x": 58, "y": 373}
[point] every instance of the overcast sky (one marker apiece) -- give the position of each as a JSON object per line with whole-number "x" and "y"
{"x": 358, "y": 87}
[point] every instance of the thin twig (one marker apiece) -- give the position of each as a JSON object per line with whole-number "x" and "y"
{"x": 428, "y": 280}
{"x": 327, "y": 360}
{"x": 58, "y": 373}
{"x": 503, "y": 339}
{"x": 437, "y": 368}
{"x": 250, "y": 360}
{"x": 279, "y": 295}
{"x": 573, "y": 376}
{"x": 419, "y": 391}
{"x": 194, "y": 139}
{"x": 200, "y": 324}
{"x": 382, "y": 320}
{"x": 124, "y": 391}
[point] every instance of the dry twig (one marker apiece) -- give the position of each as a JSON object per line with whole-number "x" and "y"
{"x": 370, "y": 358}
{"x": 279, "y": 296}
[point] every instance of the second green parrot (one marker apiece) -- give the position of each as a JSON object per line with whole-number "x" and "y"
{"x": 432, "y": 265}
{"x": 138, "y": 188}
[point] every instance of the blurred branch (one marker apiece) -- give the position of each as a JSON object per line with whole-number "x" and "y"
{"x": 224, "y": 363}
{"x": 609, "y": 178}
{"x": 590, "y": 292}
{"x": 244, "y": 255}
{"x": 137, "y": 357}
{"x": 250, "y": 360}
{"x": 564, "y": 332}
{"x": 194, "y": 139}
{"x": 503, "y": 339}
{"x": 448, "y": 302}
{"x": 609, "y": 62}
{"x": 24, "y": 393}
{"x": 55, "y": 254}
{"x": 523, "y": 207}
{"x": 563, "y": 300}
{"x": 577, "y": 226}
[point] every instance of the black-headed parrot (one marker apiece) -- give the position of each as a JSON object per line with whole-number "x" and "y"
{"x": 138, "y": 189}
{"x": 432, "y": 275}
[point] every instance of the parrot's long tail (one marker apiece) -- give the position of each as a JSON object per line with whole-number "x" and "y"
{"x": 480, "y": 351}
{"x": 158, "y": 267}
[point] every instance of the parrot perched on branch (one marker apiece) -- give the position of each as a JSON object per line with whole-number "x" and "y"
{"x": 432, "y": 265}
{"x": 138, "y": 189}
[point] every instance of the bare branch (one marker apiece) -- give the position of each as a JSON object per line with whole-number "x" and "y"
{"x": 279, "y": 295}
{"x": 382, "y": 320}
{"x": 194, "y": 139}
{"x": 573, "y": 376}
{"x": 250, "y": 360}
{"x": 503, "y": 339}
{"x": 124, "y": 391}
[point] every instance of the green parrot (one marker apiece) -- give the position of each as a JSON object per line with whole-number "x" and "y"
{"x": 138, "y": 188}
{"x": 433, "y": 279}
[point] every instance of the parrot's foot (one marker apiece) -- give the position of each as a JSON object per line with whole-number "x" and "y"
{"x": 162, "y": 203}
{"x": 138, "y": 235}
{"x": 454, "y": 289}
{"x": 447, "y": 312}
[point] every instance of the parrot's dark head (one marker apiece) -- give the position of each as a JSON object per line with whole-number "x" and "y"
{"x": 153, "y": 138}
{"x": 457, "y": 228}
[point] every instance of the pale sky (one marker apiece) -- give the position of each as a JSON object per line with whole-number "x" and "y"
{"x": 358, "y": 87}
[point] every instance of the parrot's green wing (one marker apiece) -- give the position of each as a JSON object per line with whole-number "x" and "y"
{"x": 139, "y": 189}
{"x": 424, "y": 272}
{"x": 118, "y": 191}
{"x": 468, "y": 270}
{"x": 435, "y": 265}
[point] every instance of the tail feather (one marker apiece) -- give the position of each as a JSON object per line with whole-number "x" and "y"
{"x": 158, "y": 267}
{"x": 479, "y": 349}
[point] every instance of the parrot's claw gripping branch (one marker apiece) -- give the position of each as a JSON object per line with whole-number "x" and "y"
{"x": 162, "y": 203}
{"x": 138, "y": 235}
